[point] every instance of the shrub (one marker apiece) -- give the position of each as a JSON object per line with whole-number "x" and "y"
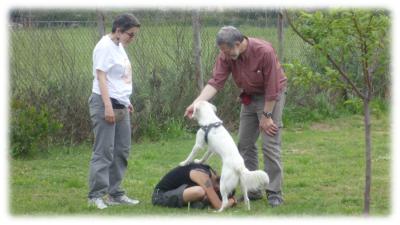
{"x": 155, "y": 129}
{"x": 31, "y": 128}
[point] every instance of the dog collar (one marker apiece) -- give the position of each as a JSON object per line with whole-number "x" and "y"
{"x": 208, "y": 127}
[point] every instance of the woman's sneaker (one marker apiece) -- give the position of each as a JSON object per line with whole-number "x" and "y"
{"x": 121, "y": 200}
{"x": 97, "y": 202}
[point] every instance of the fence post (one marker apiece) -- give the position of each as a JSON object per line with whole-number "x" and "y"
{"x": 100, "y": 23}
{"x": 197, "y": 49}
{"x": 280, "y": 36}
{"x": 30, "y": 18}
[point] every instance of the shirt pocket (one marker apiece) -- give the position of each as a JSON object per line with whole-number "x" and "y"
{"x": 255, "y": 77}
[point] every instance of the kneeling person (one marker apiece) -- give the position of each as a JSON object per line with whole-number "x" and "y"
{"x": 194, "y": 183}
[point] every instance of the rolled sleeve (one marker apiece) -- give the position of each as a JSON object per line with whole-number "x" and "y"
{"x": 274, "y": 78}
{"x": 102, "y": 59}
{"x": 221, "y": 73}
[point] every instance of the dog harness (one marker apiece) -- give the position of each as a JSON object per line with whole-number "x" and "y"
{"x": 208, "y": 127}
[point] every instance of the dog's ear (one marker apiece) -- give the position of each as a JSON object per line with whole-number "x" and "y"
{"x": 195, "y": 111}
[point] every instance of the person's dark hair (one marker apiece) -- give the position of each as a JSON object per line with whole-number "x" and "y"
{"x": 229, "y": 35}
{"x": 125, "y": 22}
{"x": 213, "y": 171}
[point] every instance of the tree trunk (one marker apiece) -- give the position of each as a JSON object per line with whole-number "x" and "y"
{"x": 197, "y": 49}
{"x": 280, "y": 36}
{"x": 367, "y": 124}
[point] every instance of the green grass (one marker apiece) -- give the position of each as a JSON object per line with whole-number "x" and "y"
{"x": 323, "y": 175}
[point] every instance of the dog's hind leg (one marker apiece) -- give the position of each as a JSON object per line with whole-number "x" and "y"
{"x": 225, "y": 201}
{"x": 197, "y": 146}
{"x": 245, "y": 194}
{"x": 228, "y": 182}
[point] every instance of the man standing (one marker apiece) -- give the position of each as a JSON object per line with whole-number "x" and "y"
{"x": 256, "y": 70}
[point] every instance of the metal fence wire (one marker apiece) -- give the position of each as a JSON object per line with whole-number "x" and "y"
{"x": 51, "y": 62}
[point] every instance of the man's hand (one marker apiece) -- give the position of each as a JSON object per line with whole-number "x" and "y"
{"x": 189, "y": 111}
{"x": 109, "y": 114}
{"x": 268, "y": 126}
{"x": 206, "y": 94}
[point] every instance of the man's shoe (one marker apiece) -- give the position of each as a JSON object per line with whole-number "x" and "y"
{"x": 274, "y": 198}
{"x": 122, "y": 200}
{"x": 97, "y": 202}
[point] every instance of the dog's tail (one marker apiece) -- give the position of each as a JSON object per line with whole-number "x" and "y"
{"x": 254, "y": 180}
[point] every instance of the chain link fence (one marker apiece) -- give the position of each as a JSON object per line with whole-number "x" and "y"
{"x": 51, "y": 64}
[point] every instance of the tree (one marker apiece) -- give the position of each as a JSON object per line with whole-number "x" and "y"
{"x": 349, "y": 36}
{"x": 197, "y": 49}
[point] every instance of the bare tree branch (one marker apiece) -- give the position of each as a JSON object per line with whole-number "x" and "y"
{"x": 364, "y": 49}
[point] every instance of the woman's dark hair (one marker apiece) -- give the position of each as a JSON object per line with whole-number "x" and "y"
{"x": 125, "y": 22}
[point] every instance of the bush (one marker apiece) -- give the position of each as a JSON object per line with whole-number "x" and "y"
{"x": 155, "y": 129}
{"x": 354, "y": 106}
{"x": 31, "y": 128}
{"x": 377, "y": 106}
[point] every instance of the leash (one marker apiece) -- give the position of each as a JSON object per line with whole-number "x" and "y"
{"x": 208, "y": 127}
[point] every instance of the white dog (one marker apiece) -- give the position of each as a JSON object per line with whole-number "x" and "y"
{"x": 219, "y": 141}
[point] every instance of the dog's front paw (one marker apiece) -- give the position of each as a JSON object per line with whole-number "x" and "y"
{"x": 198, "y": 161}
{"x": 183, "y": 163}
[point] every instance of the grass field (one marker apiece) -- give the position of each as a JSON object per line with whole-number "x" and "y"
{"x": 323, "y": 175}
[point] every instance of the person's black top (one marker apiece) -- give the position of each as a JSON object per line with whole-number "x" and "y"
{"x": 181, "y": 175}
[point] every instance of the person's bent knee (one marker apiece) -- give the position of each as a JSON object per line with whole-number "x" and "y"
{"x": 200, "y": 192}
{"x": 195, "y": 193}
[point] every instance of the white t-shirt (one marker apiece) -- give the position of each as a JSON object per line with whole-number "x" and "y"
{"x": 113, "y": 60}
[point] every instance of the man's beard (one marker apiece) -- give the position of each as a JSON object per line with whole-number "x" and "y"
{"x": 235, "y": 56}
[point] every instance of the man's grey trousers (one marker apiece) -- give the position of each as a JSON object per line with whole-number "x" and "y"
{"x": 249, "y": 131}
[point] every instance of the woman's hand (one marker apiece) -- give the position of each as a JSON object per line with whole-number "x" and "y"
{"x": 232, "y": 201}
{"x": 109, "y": 114}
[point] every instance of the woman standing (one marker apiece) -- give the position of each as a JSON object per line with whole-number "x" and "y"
{"x": 109, "y": 107}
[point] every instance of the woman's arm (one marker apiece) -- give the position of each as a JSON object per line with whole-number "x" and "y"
{"x": 108, "y": 110}
{"x": 205, "y": 182}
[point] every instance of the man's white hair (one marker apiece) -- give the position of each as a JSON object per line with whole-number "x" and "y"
{"x": 229, "y": 35}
